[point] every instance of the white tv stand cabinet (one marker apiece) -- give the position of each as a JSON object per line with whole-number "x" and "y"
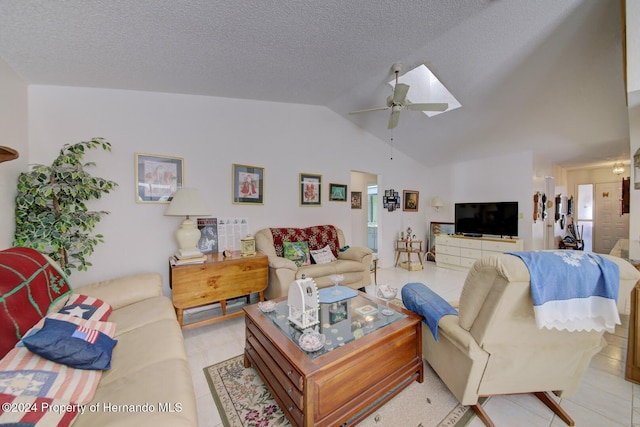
{"x": 460, "y": 252}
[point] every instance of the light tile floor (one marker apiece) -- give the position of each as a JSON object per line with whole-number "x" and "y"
{"x": 604, "y": 398}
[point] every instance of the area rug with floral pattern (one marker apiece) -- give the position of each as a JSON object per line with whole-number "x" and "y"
{"x": 243, "y": 400}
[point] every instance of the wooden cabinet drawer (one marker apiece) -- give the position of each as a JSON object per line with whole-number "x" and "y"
{"x": 446, "y": 240}
{"x": 289, "y": 373}
{"x": 471, "y": 253}
{"x": 470, "y": 243}
{"x": 495, "y": 246}
{"x": 447, "y": 259}
{"x": 447, "y": 250}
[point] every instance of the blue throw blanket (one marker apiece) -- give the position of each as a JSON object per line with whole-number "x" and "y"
{"x": 420, "y": 299}
{"x": 573, "y": 290}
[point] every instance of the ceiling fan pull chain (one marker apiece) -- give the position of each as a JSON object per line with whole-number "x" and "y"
{"x": 391, "y": 145}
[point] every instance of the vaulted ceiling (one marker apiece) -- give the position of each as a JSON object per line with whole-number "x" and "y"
{"x": 543, "y": 76}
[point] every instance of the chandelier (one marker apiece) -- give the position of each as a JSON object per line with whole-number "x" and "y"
{"x": 618, "y": 168}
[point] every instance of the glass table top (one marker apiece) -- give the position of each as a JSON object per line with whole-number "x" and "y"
{"x": 341, "y": 322}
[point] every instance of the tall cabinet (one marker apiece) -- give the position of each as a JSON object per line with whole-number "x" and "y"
{"x": 460, "y": 252}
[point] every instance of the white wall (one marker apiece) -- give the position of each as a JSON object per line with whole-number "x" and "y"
{"x": 510, "y": 180}
{"x": 13, "y": 133}
{"x": 211, "y": 134}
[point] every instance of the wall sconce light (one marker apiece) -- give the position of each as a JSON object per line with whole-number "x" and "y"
{"x": 618, "y": 168}
{"x": 437, "y": 203}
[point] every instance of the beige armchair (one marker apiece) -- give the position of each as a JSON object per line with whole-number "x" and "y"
{"x": 494, "y": 347}
{"x": 353, "y": 263}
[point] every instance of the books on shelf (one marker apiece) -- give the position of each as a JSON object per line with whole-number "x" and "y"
{"x": 174, "y": 260}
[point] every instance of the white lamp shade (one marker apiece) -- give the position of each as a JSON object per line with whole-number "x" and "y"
{"x": 437, "y": 202}
{"x": 187, "y": 202}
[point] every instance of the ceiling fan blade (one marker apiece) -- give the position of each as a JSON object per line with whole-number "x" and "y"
{"x": 393, "y": 120}
{"x": 400, "y": 93}
{"x": 369, "y": 109}
{"x": 428, "y": 107}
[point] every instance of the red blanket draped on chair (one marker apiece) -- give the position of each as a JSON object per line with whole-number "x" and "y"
{"x": 28, "y": 286}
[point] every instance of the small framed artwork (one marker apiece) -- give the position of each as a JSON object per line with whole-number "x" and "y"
{"x": 391, "y": 200}
{"x": 356, "y": 200}
{"x": 310, "y": 189}
{"x": 337, "y": 192}
{"x": 248, "y": 184}
{"x": 410, "y": 200}
{"x": 157, "y": 177}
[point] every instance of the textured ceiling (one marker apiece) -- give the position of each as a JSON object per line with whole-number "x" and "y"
{"x": 542, "y": 76}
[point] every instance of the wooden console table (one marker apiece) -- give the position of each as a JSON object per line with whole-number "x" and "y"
{"x": 217, "y": 280}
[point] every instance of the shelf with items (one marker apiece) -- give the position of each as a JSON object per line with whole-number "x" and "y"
{"x": 409, "y": 247}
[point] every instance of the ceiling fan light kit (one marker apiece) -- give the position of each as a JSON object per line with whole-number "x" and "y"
{"x": 398, "y": 101}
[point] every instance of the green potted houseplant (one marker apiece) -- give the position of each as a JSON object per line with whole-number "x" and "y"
{"x": 51, "y": 212}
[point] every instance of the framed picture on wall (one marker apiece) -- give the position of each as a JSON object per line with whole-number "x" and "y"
{"x": 410, "y": 200}
{"x": 247, "y": 184}
{"x": 310, "y": 189}
{"x": 157, "y": 177}
{"x": 337, "y": 192}
{"x": 356, "y": 200}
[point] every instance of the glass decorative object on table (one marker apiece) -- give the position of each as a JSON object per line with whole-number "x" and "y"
{"x": 387, "y": 293}
{"x": 336, "y": 279}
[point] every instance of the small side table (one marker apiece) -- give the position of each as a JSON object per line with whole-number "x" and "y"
{"x": 409, "y": 247}
{"x": 217, "y": 280}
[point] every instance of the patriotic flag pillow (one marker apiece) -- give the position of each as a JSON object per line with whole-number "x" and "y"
{"x": 72, "y": 344}
{"x": 86, "y": 307}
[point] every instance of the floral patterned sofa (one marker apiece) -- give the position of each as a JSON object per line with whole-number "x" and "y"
{"x": 353, "y": 263}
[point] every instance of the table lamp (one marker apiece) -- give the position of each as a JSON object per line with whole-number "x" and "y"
{"x": 187, "y": 202}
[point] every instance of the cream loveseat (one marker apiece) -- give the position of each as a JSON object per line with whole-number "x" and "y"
{"x": 354, "y": 263}
{"x": 149, "y": 382}
{"x": 493, "y": 346}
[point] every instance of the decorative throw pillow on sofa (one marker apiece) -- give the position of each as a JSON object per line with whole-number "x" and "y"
{"x": 323, "y": 256}
{"x": 71, "y": 344}
{"x": 88, "y": 308}
{"x": 297, "y": 252}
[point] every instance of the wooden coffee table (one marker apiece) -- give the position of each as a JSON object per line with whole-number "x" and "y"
{"x": 349, "y": 378}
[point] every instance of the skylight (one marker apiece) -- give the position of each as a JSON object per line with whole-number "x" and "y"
{"x": 425, "y": 87}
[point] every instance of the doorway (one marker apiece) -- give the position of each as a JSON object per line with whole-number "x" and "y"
{"x": 364, "y": 215}
{"x": 372, "y": 217}
{"x": 610, "y": 223}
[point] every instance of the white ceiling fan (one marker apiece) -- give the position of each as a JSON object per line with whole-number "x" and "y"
{"x": 398, "y": 102}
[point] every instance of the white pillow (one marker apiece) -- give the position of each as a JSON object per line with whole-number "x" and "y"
{"x": 323, "y": 256}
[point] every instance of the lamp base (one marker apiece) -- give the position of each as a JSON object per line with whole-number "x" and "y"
{"x": 188, "y": 253}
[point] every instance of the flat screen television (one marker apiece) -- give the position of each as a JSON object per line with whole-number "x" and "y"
{"x": 495, "y": 218}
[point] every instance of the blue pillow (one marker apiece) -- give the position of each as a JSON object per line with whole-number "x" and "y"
{"x": 72, "y": 345}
